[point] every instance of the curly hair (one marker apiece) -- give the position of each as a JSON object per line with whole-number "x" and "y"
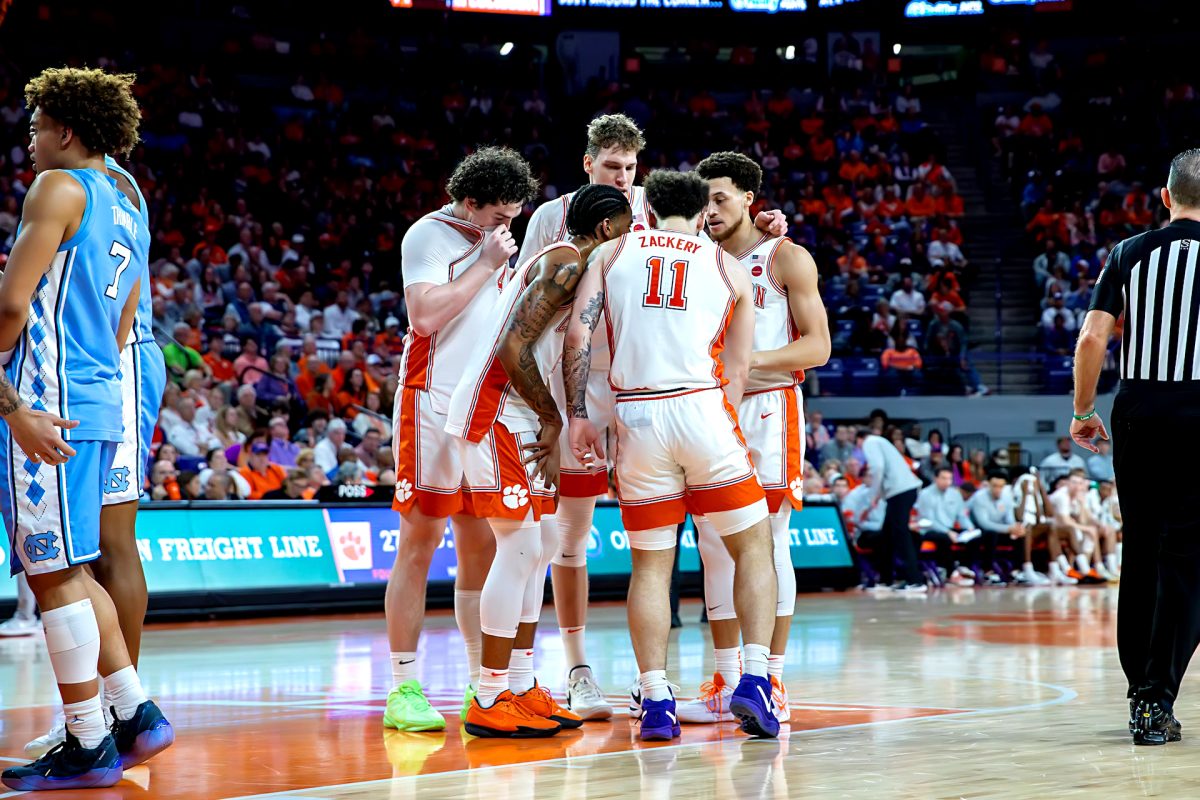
{"x": 614, "y": 130}
{"x": 493, "y": 175}
{"x": 676, "y": 194}
{"x": 591, "y": 205}
{"x": 98, "y": 106}
{"x": 741, "y": 170}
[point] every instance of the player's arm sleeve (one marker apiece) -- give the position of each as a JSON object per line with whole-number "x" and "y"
{"x": 1108, "y": 296}
{"x": 422, "y": 261}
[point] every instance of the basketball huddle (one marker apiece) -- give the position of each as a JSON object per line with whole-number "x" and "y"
{"x": 672, "y": 329}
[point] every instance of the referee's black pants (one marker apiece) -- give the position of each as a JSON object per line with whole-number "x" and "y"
{"x": 1158, "y": 614}
{"x": 898, "y": 539}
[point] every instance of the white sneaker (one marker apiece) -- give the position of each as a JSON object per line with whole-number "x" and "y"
{"x": 1033, "y": 578}
{"x": 962, "y": 577}
{"x": 780, "y": 705}
{"x": 1060, "y": 578}
{"x": 19, "y": 626}
{"x": 584, "y": 697}
{"x": 969, "y": 536}
{"x": 913, "y": 588}
{"x": 1104, "y": 573}
{"x": 711, "y": 706}
{"x": 51, "y": 739}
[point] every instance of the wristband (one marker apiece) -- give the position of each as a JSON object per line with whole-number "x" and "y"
{"x": 1084, "y": 417}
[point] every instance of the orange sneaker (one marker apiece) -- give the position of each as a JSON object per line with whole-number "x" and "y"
{"x": 505, "y": 719}
{"x": 540, "y": 703}
{"x": 779, "y": 700}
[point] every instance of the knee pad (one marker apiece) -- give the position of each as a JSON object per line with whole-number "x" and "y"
{"x": 652, "y": 538}
{"x": 73, "y": 641}
{"x": 535, "y": 587}
{"x": 718, "y": 571}
{"x": 785, "y": 572}
{"x": 574, "y": 527}
{"x": 518, "y": 552}
{"x": 726, "y": 523}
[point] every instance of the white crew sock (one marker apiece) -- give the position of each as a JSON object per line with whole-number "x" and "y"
{"x": 1120, "y": 547}
{"x": 728, "y": 662}
{"x": 85, "y": 722}
{"x": 1063, "y": 563}
{"x": 466, "y": 614}
{"x": 1110, "y": 562}
{"x": 492, "y": 683}
{"x": 123, "y": 691}
{"x": 1056, "y": 571}
{"x": 573, "y": 646}
{"x": 520, "y": 670}
{"x": 1027, "y": 568}
{"x": 755, "y": 662}
{"x": 1082, "y": 564}
{"x": 654, "y": 685}
{"x": 404, "y": 667}
{"x": 775, "y": 663}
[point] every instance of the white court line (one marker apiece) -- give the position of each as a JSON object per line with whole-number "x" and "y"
{"x": 1066, "y": 695}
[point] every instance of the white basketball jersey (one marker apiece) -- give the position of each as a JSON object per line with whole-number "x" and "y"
{"x": 668, "y": 301}
{"x": 773, "y": 324}
{"x": 549, "y": 225}
{"x": 484, "y": 394}
{"x": 436, "y": 249}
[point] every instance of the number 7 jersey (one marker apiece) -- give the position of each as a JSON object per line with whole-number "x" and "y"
{"x": 67, "y": 360}
{"x": 668, "y": 302}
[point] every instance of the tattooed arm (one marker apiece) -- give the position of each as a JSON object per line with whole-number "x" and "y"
{"x": 577, "y": 354}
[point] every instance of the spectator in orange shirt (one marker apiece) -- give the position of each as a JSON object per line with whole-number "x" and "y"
{"x": 260, "y": 473}
{"x": 1046, "y": 222}
{"x": 902, "y": 366}
{"x": 822, "y": 148}
{"x": 920, "y": 204}
{"x": 853, "y": 167}
{"x": 946, "y": 293}
{"x": 389, "y": 341}
{"x": 852, "y": 263}
{"x": 811, "y": 206}
{"x": 1036, "y": 123}
{"x": 221, "y": 367}
{"x": 310, "y": 367}
{"x": 353, "y": 393}
{"x": 892, "y": 207}
{"x": 949, "y": 202}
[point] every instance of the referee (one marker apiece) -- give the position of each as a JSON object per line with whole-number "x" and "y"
{"x": 1153, "y": 279}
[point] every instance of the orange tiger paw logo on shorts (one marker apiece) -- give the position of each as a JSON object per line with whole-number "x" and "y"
{"x": 516, "y": 496}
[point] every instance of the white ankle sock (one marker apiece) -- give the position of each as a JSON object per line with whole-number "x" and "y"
{"x": 123, "y": 691}
{"x": 1083, "y": 565}
{"x": 1027, "y": 568}
{"x": 520, "y": 670}
{"x": 404, "y": 667}
{"x": 1110, "y": 563}
{"x": 728, "y": 662}
{"x": 755, "y": 662}
{"x": 775, "y": 665}
{"x": 85, "y": 722}
{"x": 573, "y": 646}
{"x": 654, "y": 685}
{"x": 492, "y": 683}
{"x": 1063, "y": 564}
{"x": 1120, "y": 547}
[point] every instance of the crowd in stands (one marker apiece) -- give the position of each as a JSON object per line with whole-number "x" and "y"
{"x": 1085, "y": 144}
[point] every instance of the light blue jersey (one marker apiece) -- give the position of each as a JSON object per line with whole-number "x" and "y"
{"x": 143, "y": 328}
{"x": 67, "y": 360}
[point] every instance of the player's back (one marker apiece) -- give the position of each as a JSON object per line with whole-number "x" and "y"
{"x": 668, "y": 302}
{"x": 447, "y": 246}
{"x": 773, "y": 324}
{"x": 67, "y": 360}
{"x": 143, "y": 326}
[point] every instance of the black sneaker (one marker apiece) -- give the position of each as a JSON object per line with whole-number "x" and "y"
{"x": 1132, "y": 718}
{"x": 1154, "y": 724}
{"x": 68, "y": 766}
{"x": 143, "y": 736}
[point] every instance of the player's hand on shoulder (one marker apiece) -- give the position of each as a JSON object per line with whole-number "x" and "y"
{"x": 773, "y": 222}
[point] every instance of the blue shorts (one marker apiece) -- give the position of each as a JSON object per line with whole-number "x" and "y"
{"x": 143, "y": 379}
{"x": 53, "y": 513}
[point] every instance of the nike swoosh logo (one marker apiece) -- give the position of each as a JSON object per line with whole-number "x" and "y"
{"x": 674, "y": 719}
{"x": 574, "y": 630}
{"x": 411, "y": 660}
{"x": 764, "y": 416}
{"x": 763, "y": 695}
{"x": 714, "y": 608}
{"x": 568, "y": 555}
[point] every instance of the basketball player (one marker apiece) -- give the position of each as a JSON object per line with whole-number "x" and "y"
{"x": 1038, "y": 518}
{"x": 66, "y": 307}
{"x": 501, "y": 409}
{"x": 681, "y": 328}
{"x": 791, "y": 334}
{"x": 143, "y": 379}
{"x": 453, "y": 268}
{"x": 613, "y": 144}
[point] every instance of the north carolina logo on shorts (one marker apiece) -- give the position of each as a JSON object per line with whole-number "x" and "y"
{"x": 516, "y": 496}
{"x": 41, "y": 547}
{"x": 797, "y": 487}
{"x": 403, "y": 491}
{"x": 118, "y": 481}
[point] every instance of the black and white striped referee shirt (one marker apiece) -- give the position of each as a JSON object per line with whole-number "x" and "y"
{"x": 1153, "y": 278}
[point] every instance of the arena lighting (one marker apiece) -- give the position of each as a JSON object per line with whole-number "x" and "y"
{"x": 896, "y": 49}
{"x": 790, "y": 52}
{"x": 506, "y": 48}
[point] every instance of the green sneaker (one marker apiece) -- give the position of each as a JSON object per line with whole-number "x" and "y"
{"x": 467, "y": 698}
{"x": 408, "y": 710}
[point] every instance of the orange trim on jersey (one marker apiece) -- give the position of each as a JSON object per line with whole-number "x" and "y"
{"x": 717, "y": 345}
{"x": 509, "y": 494}
{"x": 792, "y": 446}
{"x": 745, "y": 492}
{"x": 583, "y": 484}
{"x": 657, "y": 514}
{"x": 566, "y": 204}
{"x": 417, "y": 361}
{"x": 432, "y": 502}
{"x": 775, "y": 284}
{"x": 752, "y": 247}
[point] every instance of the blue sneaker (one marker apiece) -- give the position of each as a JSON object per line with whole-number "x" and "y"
{"x": 143, "y": 736}
{"x": 751, "y": 703}
{"x": 658, "y": 720}
{"x": 68, "y": 766}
